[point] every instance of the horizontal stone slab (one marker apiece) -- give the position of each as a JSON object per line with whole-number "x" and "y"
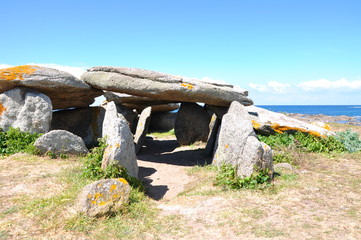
{"x": 161, "y": 86}
{"x": 64, "y": 90}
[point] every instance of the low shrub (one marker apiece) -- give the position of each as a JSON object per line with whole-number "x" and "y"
{"x": 14, "y": 141}
{"x": 227, "y": 177}
{"x": 350, "y": 140}
{"x": 92, "y": 167}
{"x": 306, "y": 141}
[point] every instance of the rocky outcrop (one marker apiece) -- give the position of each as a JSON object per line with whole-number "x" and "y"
{"x": 142, "y": 128}
{"x": 26, "y": 109}
{"x": 120, "y": 149}
{"x": 86, "y": 123}
{"x": 160, "y": 86}
{"x": 103, "y": 197}
{"x": 191, "y": 124}
{"x": 268, "y": 122}
{"x": 64, "y": 90}
{"x": 60, "y": 141}
{"x": 238, "y": 145}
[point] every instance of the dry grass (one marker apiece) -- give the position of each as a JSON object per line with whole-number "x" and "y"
{"x": 319, "y": 199}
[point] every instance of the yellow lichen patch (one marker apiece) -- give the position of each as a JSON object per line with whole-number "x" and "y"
{"x": 112, "y": 187}
{"x": 327, "y": 127}
{"x": 122, "y": 180}
{"x": 2, "y": 109}
{"x": 98, "y": 195}
{"x": 115, "y": 196}
{"x": 187, "y": 85}
{"x": 102, "y": 203}
{"x": 17, "y": 73}
{"x": 226, "y": 146}
{"x": 255, "y": 124}
{"x": 117, "y": 145}
{"x": 281, "y": 129}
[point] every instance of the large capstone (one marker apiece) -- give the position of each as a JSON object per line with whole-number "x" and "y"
{"x": 26, "y": 109}
{"x": 120, "y": 149}
{"x": 239, "y": 146}
{"x": 161, "y": 86}
{"x": 64, "y": 90}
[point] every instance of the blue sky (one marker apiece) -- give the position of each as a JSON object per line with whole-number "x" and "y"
{"x": 282, "y": 52}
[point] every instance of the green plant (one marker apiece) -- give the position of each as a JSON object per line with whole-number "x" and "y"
{"x": 306, "y": 141}
{"x": 14, "y": 141}
{"x": 92, "y": 167}
{"x": 282, "y": 157}
{"x": 227, "y": 177}
{"x": 350, "y": 140}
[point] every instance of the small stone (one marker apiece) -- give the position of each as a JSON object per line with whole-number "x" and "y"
{"x": 103, "y": 197}
{"x": 61, "y": 141}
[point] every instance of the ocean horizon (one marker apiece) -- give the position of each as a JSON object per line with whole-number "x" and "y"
{"x": 331, "y": 110}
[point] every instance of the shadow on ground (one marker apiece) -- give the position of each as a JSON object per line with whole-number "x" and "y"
{"x": 162, "y": 160}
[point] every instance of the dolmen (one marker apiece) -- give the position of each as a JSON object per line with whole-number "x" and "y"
{"x": 40, "y": 99}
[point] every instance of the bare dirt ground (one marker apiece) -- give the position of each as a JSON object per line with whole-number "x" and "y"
{"x": 319, "y": 199}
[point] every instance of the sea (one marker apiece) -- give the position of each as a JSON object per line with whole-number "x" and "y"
{"x": 331, "y": 110}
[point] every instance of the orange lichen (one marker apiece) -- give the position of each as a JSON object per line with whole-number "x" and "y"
{"x": 102, "y": 203}
{"x": 226, "y": 146}
{"x": 2, "y": 109}
{"x": 17, "y": 73}
{"x": 122, "y": 180}
{"x": 256, "y": 125}
{"x": 281, "y": 129}
{"x": 327, "y": 127}
{"x": 112, "y": 187}
{"x": 187, "y": 85}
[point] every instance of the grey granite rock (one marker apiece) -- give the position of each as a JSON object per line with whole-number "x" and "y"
{"x": 142, "y": 128}
{"x": 61, "y": 141}
{"x": 26, "y": 109}
{"x": 160, "y": 86}
{"x": 238, "y": 145}
{"x": 120, "y": 149}
{"x": 64, "y": 90}
{"x": 103, "y": 197}
{"x": 191, "y": 124}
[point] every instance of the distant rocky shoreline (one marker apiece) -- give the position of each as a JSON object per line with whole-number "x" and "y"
{"x": 326, "y": 118}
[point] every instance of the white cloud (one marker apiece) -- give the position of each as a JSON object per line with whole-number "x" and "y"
{"x": 76, "y": 71}
{"x": 272, "y": 86}
{"x": 327, "y": 84}
{"x": 4, "y": 66}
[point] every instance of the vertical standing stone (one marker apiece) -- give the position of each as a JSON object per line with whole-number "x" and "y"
{"x": 238, "y": 144}
{"x": 142, "y": 128}
{"x": 191, "y": 124}
{"x": 120, "y": 149}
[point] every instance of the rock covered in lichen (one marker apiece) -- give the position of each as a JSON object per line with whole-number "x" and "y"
{"x": 64, "y": 90}
{"x": 120, "y": 149}
{"x": 103, "y": 197}
{"x": 61, "y": 141}
{"x": 268, "y": 122}
{"x": 238, "y": 145}
{"x": 26, "y": 109}
{"x": 161, "y": 86}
